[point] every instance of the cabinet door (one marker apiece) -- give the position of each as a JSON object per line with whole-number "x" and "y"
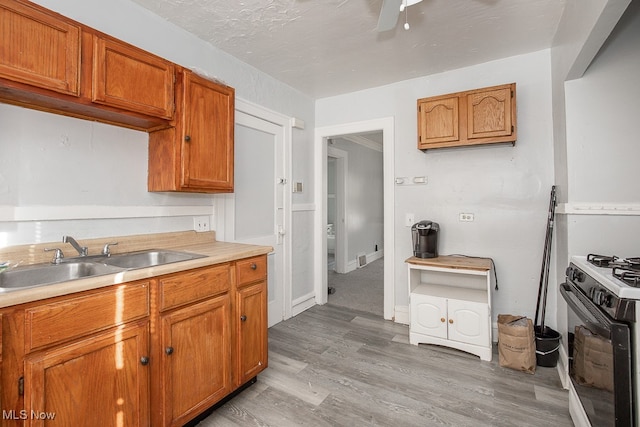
{"x": 429, "y": 315}
{"x": 251, "y": 312}
{"x": 196, "y": 358}
{"x": 207, "y": 140}
{"x": 39, "y": 48}
{"x": 468, "y": 322}
{"x": 102, "y": 380}
{"x": 438, "y": 120}
{"x": 489, "y": 113}
{"x": 130, "y": 78}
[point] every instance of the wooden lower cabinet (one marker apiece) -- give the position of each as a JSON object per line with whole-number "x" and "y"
{"x": 156, "y": 352}
{"x": 196, "y": 359}
{"x": 251, "y": 319}
{"x": 102, "y": 380}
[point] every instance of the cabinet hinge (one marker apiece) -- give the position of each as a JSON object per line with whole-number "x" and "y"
{"x": 21, "y": 386}
{"x": 512, "y": 93}
{"x": 512, "y": 128}
{"x": 419, "y": 108}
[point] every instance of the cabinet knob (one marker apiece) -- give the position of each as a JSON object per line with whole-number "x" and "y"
{"x": 187, "y": 138}
{"x": 243, "y": 318}
{"x": 254, "y": 266}
{"x": 168, "y": 351}
{"x": 451, "y": 321}
{"x": 144, "y": 360}
{"x": 442, "y": 319}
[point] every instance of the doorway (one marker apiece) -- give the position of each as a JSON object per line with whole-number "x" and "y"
{"x": 322, "y": 137}
{"x": 258, "y": 211}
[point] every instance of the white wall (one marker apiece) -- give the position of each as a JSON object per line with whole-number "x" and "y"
{"x": 507, "y": 188}
{"x": 602, "y": 144}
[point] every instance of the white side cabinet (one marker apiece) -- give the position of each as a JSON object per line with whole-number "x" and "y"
{"x": 450, "y": 303}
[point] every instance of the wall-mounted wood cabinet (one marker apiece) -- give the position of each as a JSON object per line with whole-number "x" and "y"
{"x": 196, "y": 155}
{"x": 51, "y": 63}
{"x": 129, "y": 78}
{"x": 38, "y": 48}
{"x": 482, "y": 116}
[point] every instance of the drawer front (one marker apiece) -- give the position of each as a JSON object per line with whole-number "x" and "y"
{"x": 194, "y": 285}
{"x": 251, "y": 269}
{"x": 71, "y": 318}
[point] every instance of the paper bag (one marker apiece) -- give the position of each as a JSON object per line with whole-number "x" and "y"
{"x": 516, "y": 343}
{"x": 592, "y": 359}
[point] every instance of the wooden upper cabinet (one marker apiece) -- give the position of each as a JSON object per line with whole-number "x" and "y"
{"x": 130, "y": 78}
{"x": 482, "y": 116}
{"x": 197, "y": 154}
{"x": 489, "y": 112}
{"x": 38, "y": 48}
{"x": 438, "y": 119}
{"x": 207, "y": 143}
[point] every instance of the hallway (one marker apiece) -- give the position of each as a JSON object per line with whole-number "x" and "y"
{"x": 361, "y": 289}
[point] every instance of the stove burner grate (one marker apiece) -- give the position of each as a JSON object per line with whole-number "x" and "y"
{"x": 602, "y": 260}
{"x": 630, "y": 277}
{"x": 614, "y": 262}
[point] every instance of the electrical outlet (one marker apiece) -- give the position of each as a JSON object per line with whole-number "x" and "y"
{"x": 201, "y": 223}
{"x": 409, "y": 220}
{"x": 465, "y": 217}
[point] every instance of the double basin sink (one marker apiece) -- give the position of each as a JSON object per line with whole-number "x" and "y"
{"x": 68, "y": 269}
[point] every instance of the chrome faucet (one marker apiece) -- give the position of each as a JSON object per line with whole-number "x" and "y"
{"x": 82, "y": 250}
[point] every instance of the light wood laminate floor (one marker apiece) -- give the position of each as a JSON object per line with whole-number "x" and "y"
{"x": 332, "y": 366}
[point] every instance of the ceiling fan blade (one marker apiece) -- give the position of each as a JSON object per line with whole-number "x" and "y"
{"x": 389, "y": 15}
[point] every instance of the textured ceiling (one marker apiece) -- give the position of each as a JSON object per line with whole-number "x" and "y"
{"x": 330, "y": 47}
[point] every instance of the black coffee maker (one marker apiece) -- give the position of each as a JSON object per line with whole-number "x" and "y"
{"x": 425, "y": 239}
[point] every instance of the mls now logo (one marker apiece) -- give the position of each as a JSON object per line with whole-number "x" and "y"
{"x": 24, "y": 414}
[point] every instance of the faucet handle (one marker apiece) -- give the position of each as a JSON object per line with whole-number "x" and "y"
{"x": 57, "y": 256}
{"x": 106, "y": 251}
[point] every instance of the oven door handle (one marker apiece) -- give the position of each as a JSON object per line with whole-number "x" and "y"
{"x": 586, "y": 313}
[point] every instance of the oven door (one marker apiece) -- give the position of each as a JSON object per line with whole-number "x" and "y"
{"x": 599, "y": 361}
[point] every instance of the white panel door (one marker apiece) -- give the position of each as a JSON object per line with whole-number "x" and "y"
{"x": 256, "y": 212}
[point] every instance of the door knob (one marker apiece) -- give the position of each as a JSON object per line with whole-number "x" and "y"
{"x": 451, "y": 321}
{"x": 254, "y": 266}
{"x": 144, "y": 360}
{"x": 168, "y": 351}
{"x": 442, "y": 319}
{"x": 243, "y": 318}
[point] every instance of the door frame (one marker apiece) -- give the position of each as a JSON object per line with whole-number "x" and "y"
{"x": 222, "y": 200}
{"x": 322, "y": 134}
{"x": 341, "y": 228}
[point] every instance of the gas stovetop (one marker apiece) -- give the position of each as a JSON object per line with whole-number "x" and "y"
{"x": 621, "y": 276}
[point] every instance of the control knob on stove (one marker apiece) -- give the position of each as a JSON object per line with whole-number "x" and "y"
{"x": 574, "y": 275}
{"x": 601, "y": 298}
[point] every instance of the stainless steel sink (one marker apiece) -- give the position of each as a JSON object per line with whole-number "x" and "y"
{"x": 148, "y": 258}
{"x": 81, "y": 267}
{"x": 47, "y": 274}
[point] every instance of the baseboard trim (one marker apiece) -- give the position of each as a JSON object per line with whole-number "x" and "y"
{"x": 353, "y": 265}
{"x": 303, "y": 303}
{"x": 401, "y": 314}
